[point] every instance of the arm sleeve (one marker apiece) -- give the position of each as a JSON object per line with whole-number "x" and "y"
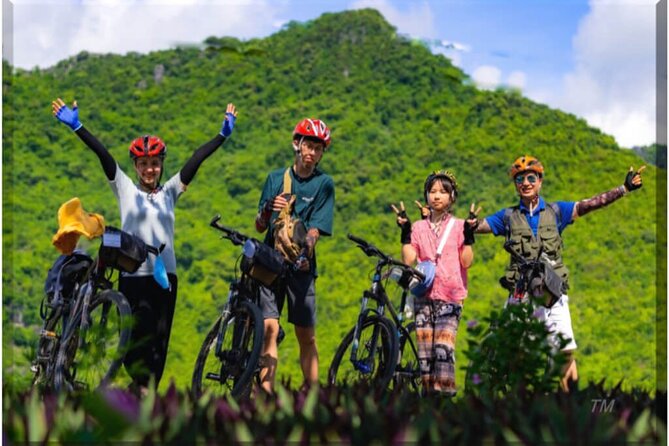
{"x": 107, "y": 161}
{"x": 496, "y": 222}
{"x": 324, "y": 209}
{"x": 566, "y": 212}
{"x": 193, "y": 164}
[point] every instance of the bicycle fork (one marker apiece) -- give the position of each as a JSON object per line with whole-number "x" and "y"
{"x": 364, "y": 365}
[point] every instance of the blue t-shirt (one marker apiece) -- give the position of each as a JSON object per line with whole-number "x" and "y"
{"x": 496, "y": 220}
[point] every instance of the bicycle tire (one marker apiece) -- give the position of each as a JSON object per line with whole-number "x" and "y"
{"x": 380, "y": 372}
{"x": 232, "y": 369}
{"x": 407, "y": 372}
{"x": 47, "y": 350}
{"x": 98, "y": 371}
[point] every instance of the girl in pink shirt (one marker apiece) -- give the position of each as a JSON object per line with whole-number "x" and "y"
{"x": 438, "y": 310}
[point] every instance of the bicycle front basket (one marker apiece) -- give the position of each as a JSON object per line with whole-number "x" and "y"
{"x": 122, "y": 250}
{"x": 262, "y": 262}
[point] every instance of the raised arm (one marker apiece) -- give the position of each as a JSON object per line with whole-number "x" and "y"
{"x": 632, "y": 182}
{"x": 70, "y": 117}
{"x": 193, "y": 164}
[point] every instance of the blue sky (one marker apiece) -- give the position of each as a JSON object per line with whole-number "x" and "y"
{"x": 593, "y": 58}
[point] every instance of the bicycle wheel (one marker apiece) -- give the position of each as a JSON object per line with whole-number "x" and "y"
{"x": 407, "y": 372}
{"x": 229, "y": 355}
{"x": 90, "y": 358}
{"x": 376, "y": 356}
{"x": 47, "y": 349}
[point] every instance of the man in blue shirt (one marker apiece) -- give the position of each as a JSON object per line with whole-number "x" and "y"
{"x": 535, "y": 227}
{"x": 311, "y": 192}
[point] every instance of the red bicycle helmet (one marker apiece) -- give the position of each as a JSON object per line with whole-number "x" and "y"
{"x": 147, "y": 145}
{"x": 314, "y": 128}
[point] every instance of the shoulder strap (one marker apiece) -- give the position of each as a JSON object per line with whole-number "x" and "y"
{"x": 558, "y": 212}
{"x": 507, "y": 221}
{"x": 287, "y": 182}
{"x": 444, "y": 236}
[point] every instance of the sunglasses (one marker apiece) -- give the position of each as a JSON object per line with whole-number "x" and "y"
{"x": 531, "y": 178}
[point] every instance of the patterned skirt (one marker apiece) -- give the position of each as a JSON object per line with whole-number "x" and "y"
{"x": 436, "y": 328}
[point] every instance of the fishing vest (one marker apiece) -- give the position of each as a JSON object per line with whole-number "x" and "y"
{"x": 518, "y": 229}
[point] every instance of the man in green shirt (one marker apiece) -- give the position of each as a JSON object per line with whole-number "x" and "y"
{"x": 313, "y": 195}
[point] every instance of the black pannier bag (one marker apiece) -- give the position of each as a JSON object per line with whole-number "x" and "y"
{"x": 65, "y": 273}
{"x": 121, "y": 250}
{"x": 546, "y": 287}
{"x": 262, "y": 262}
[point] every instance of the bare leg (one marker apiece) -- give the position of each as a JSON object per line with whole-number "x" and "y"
{"x": 306, "y": 337}
{"x": 569, "y": 372}
{"x": 269, "y": 356}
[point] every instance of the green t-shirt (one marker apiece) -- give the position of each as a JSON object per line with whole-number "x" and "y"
{"x": 314, "y": 204}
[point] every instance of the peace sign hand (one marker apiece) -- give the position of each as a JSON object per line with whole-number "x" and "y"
{"x": 633, "y": 179}
{"x": 403, "y": 222}
{"x": 424, "y": 210}
{"x": 401, "y": 213}
{"x": 471, "y": 224}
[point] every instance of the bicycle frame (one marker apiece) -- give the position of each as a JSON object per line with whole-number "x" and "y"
{"x": 378, "y": 293}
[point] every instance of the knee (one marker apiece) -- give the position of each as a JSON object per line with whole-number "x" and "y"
{"x": 305, "y": 337}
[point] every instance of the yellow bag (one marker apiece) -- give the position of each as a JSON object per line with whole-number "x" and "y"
{"x": 290, "y": 234}
{"x": 73, "y": 222}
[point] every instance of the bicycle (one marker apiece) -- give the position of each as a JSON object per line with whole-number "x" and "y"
{"x": 229, "y": 357}
{"x": 84, "y": 339}
{"x": 380, "y": 350}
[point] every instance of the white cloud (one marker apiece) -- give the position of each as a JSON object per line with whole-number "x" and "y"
{"x": 516, "y": 79}
{"x": 418, "y": 20}
{"x": 487, "y": 77}
{"x": 613, "y": 83}
{"x": 45, "y": 32}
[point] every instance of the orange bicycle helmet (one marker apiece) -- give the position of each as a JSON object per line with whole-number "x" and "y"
{"x": 147, "y": 145}
{"x": 525, "y": 163}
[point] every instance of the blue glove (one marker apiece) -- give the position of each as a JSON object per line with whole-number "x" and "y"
{"x": 69, "y": 117}
{"x": 228, "y": 125}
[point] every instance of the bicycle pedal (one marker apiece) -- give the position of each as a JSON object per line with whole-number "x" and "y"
{"x": 79, "y": 385}
{"x": 213, "y": 376}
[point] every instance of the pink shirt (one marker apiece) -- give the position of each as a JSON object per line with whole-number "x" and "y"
{"x": 450, "y": 280}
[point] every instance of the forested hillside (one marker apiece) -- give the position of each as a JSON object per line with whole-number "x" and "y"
{"x": 397, "y": 112}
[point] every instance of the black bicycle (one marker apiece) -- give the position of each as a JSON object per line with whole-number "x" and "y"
{"x": 87, "y": 323}
{"x": 380, "y": 350}
{"x": 229, "y": 357}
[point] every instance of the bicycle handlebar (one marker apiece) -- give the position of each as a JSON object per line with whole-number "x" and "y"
{"x": 237, "y": 238}
{"x": 371, "y": 250}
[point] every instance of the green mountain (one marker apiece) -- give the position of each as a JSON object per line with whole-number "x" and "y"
{"x": 397, "y": 112}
